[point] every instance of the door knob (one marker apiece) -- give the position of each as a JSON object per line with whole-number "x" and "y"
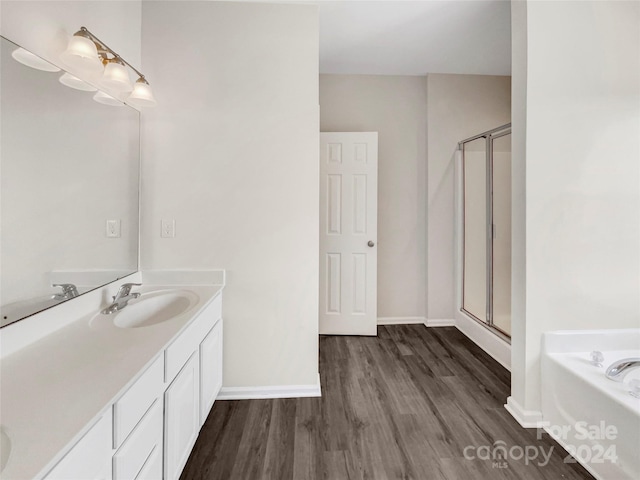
{"x": 370, "y": 243}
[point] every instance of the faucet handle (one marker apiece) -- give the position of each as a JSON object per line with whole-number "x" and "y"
{"x": 125, "y": 289}
{"x": 597, "y": 358}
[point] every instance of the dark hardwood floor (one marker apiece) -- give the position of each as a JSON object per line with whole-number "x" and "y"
{"x": 405, "y": 405}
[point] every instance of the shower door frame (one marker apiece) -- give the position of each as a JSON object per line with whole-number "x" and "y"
{"x": 489, "y": 136}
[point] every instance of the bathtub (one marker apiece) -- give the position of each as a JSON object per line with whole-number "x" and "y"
{"x": 595, "y": 419}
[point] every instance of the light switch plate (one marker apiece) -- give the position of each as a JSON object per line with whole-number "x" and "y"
{"x": 113, "y": 228}
{"x": 168, "y": 228}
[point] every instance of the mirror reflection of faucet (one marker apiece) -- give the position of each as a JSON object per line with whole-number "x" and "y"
{"x": 122, "y": 298}
{"x": 69, "y": 290}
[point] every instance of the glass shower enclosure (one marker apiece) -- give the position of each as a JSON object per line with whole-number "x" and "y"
{"x": 486, "y": 229}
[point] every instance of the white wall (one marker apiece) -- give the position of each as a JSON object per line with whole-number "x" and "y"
{"x": 518, "y": 195}
{"x": 396, "y": 107}
{"x": 460, "y": 106}
{"x": 582, "y": 174}
{"x": 231, "y": 153}
{"x": 44, "y": 27}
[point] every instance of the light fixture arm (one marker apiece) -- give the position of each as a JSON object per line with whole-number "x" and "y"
{"x": 104, "y": 47}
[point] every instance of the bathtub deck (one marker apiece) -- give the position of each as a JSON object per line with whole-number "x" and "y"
{"x": 403, "y": 405}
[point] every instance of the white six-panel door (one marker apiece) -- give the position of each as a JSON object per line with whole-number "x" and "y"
{"x": 348, "y": 233}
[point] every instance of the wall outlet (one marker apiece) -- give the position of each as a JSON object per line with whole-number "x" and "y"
{"x": 168, "y": 228}
{"x": 113, "y": 228}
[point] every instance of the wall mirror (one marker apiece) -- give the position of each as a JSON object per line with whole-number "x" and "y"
{"x": 69, "y": 179}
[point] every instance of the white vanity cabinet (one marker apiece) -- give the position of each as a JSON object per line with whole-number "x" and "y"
{"x": 150, "y": 430}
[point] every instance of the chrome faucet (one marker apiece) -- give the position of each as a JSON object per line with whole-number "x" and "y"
{"x": 618, "y": 370}
{"x": 69, "y": 290}
{"x": 122, "y": 298}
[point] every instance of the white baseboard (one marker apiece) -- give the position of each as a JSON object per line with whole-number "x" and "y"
{"x": 428, "y": 322}
{"x": 526, "y": 418}
{"x": 271, "y": 391}
{"x": 439, "y": 322}
{"x": 491, "y": 343}
{"x": 400, "y": 320}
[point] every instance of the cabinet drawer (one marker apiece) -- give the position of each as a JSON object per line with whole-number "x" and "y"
{"x": 90, "y": 457}
{"x": 128, "y": 411}
{"x": 146, "y": 438}
{"x": 188, "y": 342}
{"x": 152, "y": 468}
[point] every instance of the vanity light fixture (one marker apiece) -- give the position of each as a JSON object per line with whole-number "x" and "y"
{"x": 85, "y": 51}
{"x": 32, "y": 60}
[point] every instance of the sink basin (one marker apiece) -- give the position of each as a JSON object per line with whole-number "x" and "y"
{"x": 5, "y": 448}
{"x": 153, "y": 308}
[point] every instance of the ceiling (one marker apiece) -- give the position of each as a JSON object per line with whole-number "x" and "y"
{"x": 415, "y": 37}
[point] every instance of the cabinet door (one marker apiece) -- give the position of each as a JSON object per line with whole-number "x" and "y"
{"x": 181, "y": 421}
{"x": 210, "y": 370}
{"x": 90, "y": 458}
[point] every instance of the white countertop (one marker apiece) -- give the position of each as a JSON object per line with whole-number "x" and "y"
{"x": 52, "y": 391}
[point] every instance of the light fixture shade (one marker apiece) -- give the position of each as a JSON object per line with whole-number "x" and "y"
{"x": 116, "y": 77}
{"x": 107, "y": 99}
{"x": 142, "y": 96}
{"x": 74, "y": 82}
{"x": 29, "y": 59}
{"x": 82, "y": 54}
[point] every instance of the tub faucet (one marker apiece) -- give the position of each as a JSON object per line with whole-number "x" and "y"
{"x": 122, "y": 298}
{"x": 618, "y": 370}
